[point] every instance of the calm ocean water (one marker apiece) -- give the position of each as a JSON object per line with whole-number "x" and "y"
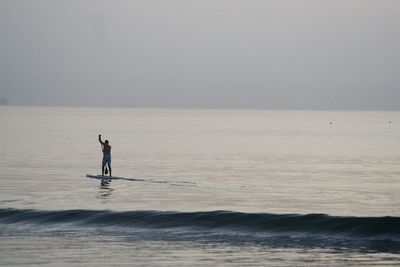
{"x": 213, "y": 187}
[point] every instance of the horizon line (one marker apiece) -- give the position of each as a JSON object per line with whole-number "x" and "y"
{"x": 200, "y": 108}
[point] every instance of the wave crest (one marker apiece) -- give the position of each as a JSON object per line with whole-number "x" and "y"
{"x": 365, "y": 227}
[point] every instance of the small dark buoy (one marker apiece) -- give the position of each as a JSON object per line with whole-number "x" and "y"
{"x": 331, "y": 123}
{"x": 390, "y": 121}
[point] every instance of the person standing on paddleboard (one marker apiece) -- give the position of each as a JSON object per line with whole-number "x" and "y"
{"x": 106, "y": 156}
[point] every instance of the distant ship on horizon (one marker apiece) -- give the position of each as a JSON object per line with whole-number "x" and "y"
{"x": 3, "y": 101}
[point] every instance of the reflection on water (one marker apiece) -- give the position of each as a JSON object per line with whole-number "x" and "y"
{"x": 104, "y": 191}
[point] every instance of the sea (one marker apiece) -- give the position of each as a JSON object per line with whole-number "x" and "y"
{"x": 204, "y": 187}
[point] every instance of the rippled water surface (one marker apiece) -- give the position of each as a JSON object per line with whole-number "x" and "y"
{"x": 301, "y": 187}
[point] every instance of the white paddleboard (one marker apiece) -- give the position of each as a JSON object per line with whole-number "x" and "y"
{"x": 103, "y": 177}
{"x": 107, "y": 179}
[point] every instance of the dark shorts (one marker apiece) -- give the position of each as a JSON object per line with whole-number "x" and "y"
{"x": 107, "y": 160}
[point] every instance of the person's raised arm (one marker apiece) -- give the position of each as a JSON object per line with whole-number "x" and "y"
{"x": 101, "y": 142}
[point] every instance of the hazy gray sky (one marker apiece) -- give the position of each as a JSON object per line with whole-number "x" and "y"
{"x": 298, "y": 54}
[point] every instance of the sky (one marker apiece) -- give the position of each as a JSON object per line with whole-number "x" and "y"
{"x": 283, "y": 54}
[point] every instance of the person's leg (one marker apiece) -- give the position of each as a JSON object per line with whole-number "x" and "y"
{"x": 109, "y": 166}
{"x": 103, "y": 165}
